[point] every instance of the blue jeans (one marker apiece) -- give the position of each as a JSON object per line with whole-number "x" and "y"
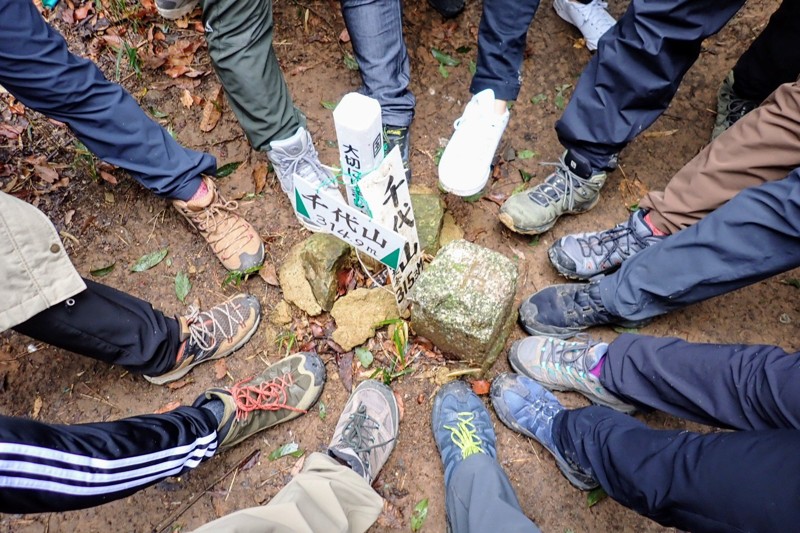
{"x": 635, "y": 73}
{"x": 376, "y": 31}
{"x": 753, "y": 236}
{"x": 38, "y": 69}
{"x": 730, "y": 481}
{"x": 501, "y": 46}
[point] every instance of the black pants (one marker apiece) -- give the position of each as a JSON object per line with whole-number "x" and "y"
{"x": 773, "y": 58}
{"x": 726, "y": 481}
{"x": 109, "y": 325}
{"x": 49, "y": 467}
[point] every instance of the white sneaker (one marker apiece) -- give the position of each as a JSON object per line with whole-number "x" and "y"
{"x": 297, "y": 155}
{"x": 467, "y": 160}
{"x": 592, "y": 19}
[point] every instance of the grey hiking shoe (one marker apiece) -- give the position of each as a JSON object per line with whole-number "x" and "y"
{"x": 585, "y": 255}
{"x": 564, "y": 366}
{"x": 212, "y": 334}
{"x": 282, "y": 392}
{"x": 573, "y": 188}
{"x": 527, "y": 408}
{"x": 297, "y": 156}
{"x": 367, "y": 429}
{"x": 175, "y": 9}
{"x": 730, "y": 107}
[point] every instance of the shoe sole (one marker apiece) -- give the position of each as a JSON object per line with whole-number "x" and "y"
{"x": 563, "y": 14}
{"x": 466, "y": 192}
{"x": 174, "y": 14}
{"x": 161, "y": 380}
{"x": 574, "y": 275}
{"x": 508, "y": 222}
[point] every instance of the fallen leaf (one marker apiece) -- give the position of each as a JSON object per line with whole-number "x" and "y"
{"x": 520, "y": 255}
{"x": 664, "y": 133}
{"x": 68, "y": 217}
{"x": 37, "y": 407}
{"x": 269, "y": 274}
{"x": 10, "y": 132}
{"x": 481, "y": 387}
{"x": 345, "y": 364}
{"x": 186, "y": 99}
{"x": 344, "y": 36}
{"x": 148, "y": 261}
{"x": 365, "y": 357}
{"x": 290, "y": 448}
{"x": 496, "y": 197}
{"x": 220, "y": 369}
{"x": 253, "y": 461}
{"x": 401, "y": 405}
{"x": 227, "y": 169}
{"x": 175, "y": 385}
{"x": 107, "y": 176}
{"x": 212, "y": 111}
{"x": 419, "y": 516}
{"x": 298, "y": 466}
{"x": 168, "y": 407}
{"x": 83, "y": 11}
{"x": 595, "y": 496}
{"x": 182, "y": 286}
{"x": 260, "y": 171}
{"x": 103, "y": 271}
{"x": 420, "y": 398}
{"x": 46, "y": 173}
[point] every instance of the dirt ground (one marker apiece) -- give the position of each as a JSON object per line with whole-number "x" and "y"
{"x": 119, "y": 223}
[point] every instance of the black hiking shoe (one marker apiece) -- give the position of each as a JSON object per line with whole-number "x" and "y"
{"x": 399, "y": 136}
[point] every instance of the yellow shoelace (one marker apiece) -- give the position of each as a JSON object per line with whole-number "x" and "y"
{"x": 464, "y": 435}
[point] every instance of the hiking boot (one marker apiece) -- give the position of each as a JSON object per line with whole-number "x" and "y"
{"x": 234, "y": 241}
{"x": 592, "y": 19}
{"x": 573, "y": 188}
{"x": 213, "y": 334}
{"x": 528, "y": 408}
{"x": 399, "y": 136}
{"x": 367, "y": 429}
{"x": 565, "y": 366}
{"x": 730, "y": 107}
{"x": 461, "y": 426}
{"x": 585, "y": 255}
{"x": 563, "y": 310}
{"x": 175, "y": 9}
{"x": 281, "y": 393}
{"x": 447, "y": 8}
{"x": 466, "y": 163}
{"x": 297, "y": 155}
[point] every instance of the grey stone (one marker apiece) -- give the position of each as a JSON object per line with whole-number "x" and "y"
{"x": 357, "y": 312}
{"x": 323, "y": 257}
{"x": 294, "y": 284}
{"x": 429, "y": 215}
{"x": 464, "y": 302}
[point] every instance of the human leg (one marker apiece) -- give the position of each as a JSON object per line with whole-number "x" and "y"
{"x": 739, "y": 481}
{"x": 39, "y": 70}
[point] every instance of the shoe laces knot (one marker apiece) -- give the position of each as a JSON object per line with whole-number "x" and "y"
{"x": 360, "y": 432}
{"x": 207, "y": 328}
{"x": 228, "y": 241}
{"x": 271, "y": 395}
{"x": 622, "y": 238}
{"x": 739, "y": 107}
{"x": 465, "y": 435}
{"x": 307, "y": 165}
{"x": 571, "y": 355}
{"x": 562, "y": 181}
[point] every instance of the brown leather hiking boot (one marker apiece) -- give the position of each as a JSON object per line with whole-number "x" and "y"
{"x": 282, "y": 392}
{"x": 367, "y": 430}
{"x": 234, "y": 240}
{"x": 213, "y": 334}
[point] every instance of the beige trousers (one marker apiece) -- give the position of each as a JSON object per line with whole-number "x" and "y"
{"x": 762, "y": 146}
{"x": 326, "y": 497}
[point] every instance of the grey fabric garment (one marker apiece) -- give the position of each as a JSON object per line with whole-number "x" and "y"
{"x": 239, "y": 36}
{"x": 479, "y": 498}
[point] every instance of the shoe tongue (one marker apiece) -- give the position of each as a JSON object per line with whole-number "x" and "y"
{"x": 577, "y": 165}
{"x": 349, "y": 458}
{"x": 198, "y": 204}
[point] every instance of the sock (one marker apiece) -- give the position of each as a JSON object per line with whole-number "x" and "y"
{"x": 657, "y": 232}
{"x": 202, "y": 190}
{"x": 216, "y": 408}
{"x": 597, "y": 368}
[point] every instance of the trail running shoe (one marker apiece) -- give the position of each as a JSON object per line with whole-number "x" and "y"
{"x": 730, "y": 107}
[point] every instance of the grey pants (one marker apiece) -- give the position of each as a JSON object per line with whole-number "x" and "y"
{"x": 239, "y": 36}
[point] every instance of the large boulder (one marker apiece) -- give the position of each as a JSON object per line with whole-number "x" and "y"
{"x": 464, "y": 302}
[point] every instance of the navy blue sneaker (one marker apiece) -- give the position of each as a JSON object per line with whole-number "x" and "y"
{"x": 461, "y": 426}
{"x": 528, "y": 408}
{"x": 564, "y": 310}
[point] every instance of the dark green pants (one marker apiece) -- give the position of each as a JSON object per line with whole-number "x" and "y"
{"x": 239, "y": 36}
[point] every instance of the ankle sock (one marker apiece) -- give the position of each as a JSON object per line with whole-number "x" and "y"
{"x": 216, "y": 408}
{"x": 657, "y": 232}
{"x": 201, "y": 192}
{"x": 597, "y": 368}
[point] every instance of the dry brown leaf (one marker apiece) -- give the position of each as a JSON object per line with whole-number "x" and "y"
{"x": 298, "y": 466}
{"x": 260, "y": 176}
{"x": 175, "y": 385}
{"x": 37, "y": 407}
{"x": 481, "y": 387}
{"x": 168, "y": 407}
{"x": 68, "y": 217}
{"x": 212, "y": 111}
{"x": 68, "y": 15}
{"x": 269, "y": 274}
{"x": 186, "y": 99}
{"x": 83, "y": 11}
{"x": 344, "y": 36}
{"x": 220, "y": 369}
{"x": 664, "y": 133}
{"x": 109, "y": 177}
{"x": 10, "y": 132}
{"x": 401, "y": 405}
{"x": 519, "y": 254}
{"x": 46, "y": 173}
